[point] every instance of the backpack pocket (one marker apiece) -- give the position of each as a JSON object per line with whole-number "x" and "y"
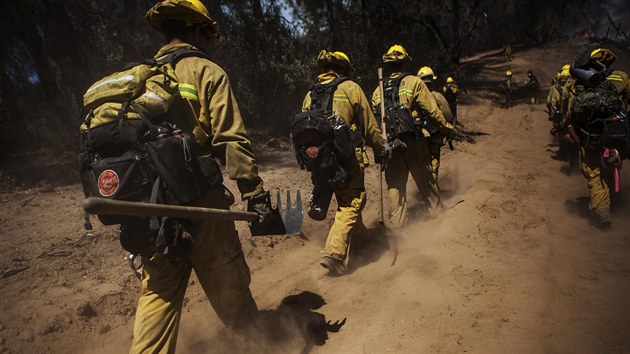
{"x": 399, "y": 122}
{"x": 126, "y": 177}
{"x": 178, "y": 167}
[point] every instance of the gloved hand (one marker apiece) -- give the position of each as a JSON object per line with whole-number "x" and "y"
{"x": 261, "y": 205}
{"x": 448, "y": 131}
{"x": 381, "y": 160}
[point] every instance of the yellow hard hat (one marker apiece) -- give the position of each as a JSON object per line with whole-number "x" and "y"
{"x": 191, "y": 12}
{"x": 564, "y": 72}
{"x": 426, "y": 74}
{"x": 335, "y": 58}
{"x": 396, "y": 53}
{"x": 603, "y": 56}
{"x": 449, "y": 80}
{"x": 508, "y": 73}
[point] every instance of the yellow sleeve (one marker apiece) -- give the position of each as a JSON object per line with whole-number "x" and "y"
{"x": 366, "y": 121}
{"x": 425, "y": 102}
{"x": 376, "y": 99}
{"x": 230, "y": 141}
{"x": 306, "y": 103}
{"x": 443, "y": 105}
{"x": 568, "y": 93}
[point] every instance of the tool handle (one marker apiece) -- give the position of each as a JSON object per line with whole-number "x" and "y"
{"x": 385, "y": 143}
{"x": 104, "y": 206}
{"x": 381, "y": 91}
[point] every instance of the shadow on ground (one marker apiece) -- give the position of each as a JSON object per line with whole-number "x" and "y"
{"x": 293, "y": 327}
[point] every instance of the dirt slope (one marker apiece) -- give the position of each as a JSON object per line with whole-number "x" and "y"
{"x": 513, "y": 263}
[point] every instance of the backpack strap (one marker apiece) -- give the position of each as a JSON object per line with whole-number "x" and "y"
{"x": 171, "y": 58}
{"x": 394, "y": 84}
{"x": 322, "y": 95}
{"x": 177, "y": 55}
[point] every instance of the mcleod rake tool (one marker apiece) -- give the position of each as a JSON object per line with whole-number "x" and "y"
{"x": 286, "y": 220}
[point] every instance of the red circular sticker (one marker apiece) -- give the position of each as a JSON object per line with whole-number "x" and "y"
{"x": 312, "y": 151}
{"x": 108, "y": 183}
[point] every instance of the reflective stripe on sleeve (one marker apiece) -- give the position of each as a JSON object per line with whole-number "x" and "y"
{"x": 405, "y": 92}
{"x": 614, "y": 78}
{"x": 188, "y": 91}
{"x": 340, "y": 97}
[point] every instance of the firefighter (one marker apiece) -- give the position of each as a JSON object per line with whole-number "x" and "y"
{"x": 211, "y": 115}
{"x": 532, "y": 85}
{"x": 554, "y": 98}
{"x": 617, "y": 77}
{"x": 507, "y": 52}
{"x": 437, "y": 140}
{"x": 451, "y": 91}
{"x": 410, "y": 152}
{"x": 506, "y": 87}
{"x": 350, "y": 103}
{"x": 600, "y": 156}
{"x": 557, "y": 106}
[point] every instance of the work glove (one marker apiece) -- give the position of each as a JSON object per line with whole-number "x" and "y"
{"x": 381, "y": 160}
{"x": 261, "y": 205}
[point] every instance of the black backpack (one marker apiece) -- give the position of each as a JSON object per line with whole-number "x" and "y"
{"x": 592, "y": 103}
{"x": 601, "y": 118}
{"x": 398, "y": 119}
{"x": 323, "y": 142}
{"x": 142, "y": 158}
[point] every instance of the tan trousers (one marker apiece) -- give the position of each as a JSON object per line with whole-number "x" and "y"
{"x": 416, "y": 160}
{"x": 218, "y": 262}
{"x": 350, "y": 202}
{"x": 590, "y": 164}
{"x": 435, "y": 151}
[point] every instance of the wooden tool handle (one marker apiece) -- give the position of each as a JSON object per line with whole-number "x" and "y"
{"x": 105, "y": 206}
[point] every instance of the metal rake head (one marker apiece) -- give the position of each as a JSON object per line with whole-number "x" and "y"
{"x": 291, "y": 216}
{"x": 284, "y": 221}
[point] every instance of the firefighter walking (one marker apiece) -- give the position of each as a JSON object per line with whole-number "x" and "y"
{"x": 410, "y": 152}
{"x": 351, "y": 105}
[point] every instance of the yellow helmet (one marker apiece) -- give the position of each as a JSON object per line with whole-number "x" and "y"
{"x": 449, "y": 80}
{"x": 603, "y": 56}
{"x": 508, "y": 73}
{"x": 396, "y": 53}
{"x": 564, "y": 72}
{"x": 426, "y": 74}
{"x": 191, "y": 12}
{"x": 335, "y": 58}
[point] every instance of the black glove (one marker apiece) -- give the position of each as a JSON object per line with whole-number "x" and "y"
{"x": 381, "y": 160}
{"x": 261, "y": 205}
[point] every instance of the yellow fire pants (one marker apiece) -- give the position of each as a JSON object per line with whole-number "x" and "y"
{"x": 218, "y": 262}
{"x": 351, "y": 200}
{"x": 416, "y": 160}
{"x": 590, "y": 164}
{"x": 435, "y": 151}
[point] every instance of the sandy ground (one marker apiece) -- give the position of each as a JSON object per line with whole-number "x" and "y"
{"x": 512, "y": 265}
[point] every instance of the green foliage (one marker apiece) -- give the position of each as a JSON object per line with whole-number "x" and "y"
{"x": 52, "y": 51}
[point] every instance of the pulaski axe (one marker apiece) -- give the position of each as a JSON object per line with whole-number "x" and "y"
{"x": 284, "y": 221}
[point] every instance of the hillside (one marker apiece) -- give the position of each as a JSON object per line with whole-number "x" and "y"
{"x": 513, "y": 264}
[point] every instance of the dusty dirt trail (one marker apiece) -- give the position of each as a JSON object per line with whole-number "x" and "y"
{"x": 513, "y": 263}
